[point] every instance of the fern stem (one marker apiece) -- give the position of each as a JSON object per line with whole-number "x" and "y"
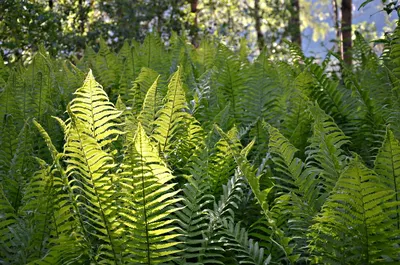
{"x": 145, "y": 210}
{"x": 395, "y": 185}
{"x": 103, "y": 216}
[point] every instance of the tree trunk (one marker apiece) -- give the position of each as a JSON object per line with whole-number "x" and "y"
{"x": 294, "y": 22}
{"x": 51, "y": 3}
{"x": 194, "y": 27}
{"x": 346, "y": 30}
{"x": 81, "y": 17}
{"x": 337, "y": 26}
{"x": 257, "y": 17}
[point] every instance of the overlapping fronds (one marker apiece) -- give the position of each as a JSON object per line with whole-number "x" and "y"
{"x": 325, "y": 151}
{"x": 189, "y": 155}
{"x": 387, "y": 166}
{"x": 148, "y": 197}
{"x": 352, "y": 227}
{"x": 92, "y": 109}
{"x": 172, "y": 118}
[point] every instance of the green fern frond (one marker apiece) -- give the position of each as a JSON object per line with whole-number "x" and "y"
{"x": 331, "y": 97}
{"x": 212, "y": 250}
{"x": 8, "y": 218}
{"x": 193, "y": 217}
{"x": 246, "y": 250}
{"x": 171, "y": 118}
{"x": 128, "y": 70}
{"x": 204, "y": 56}
{"x": 283, "y": 155}
{"x": 107, "y": 68}
{"x": 150, "y": 107}
{"x": 92, "y": 108}
{"x": 222, "y": 160}
{"x": 8, "y": 99}
{"x": 140, "y": 88}
{"x": 231, "y": 81}
{"x": 353, "y": 227}
{"x": 148, "y": 197}
{"x": 326, "y": 148}
{"x": 387, "y": 166}
{"x": 69, "y": 242}
{"x": 88, "y": 166}
{"x": 152, "y": 54}
{"x": 370, "y": 127}
{"x": 17, "y": 165}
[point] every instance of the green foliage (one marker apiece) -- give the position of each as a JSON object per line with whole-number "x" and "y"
{"x": 197, "y": 156}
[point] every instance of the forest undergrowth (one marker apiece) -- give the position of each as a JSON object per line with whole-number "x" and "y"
{"x": 172, "y": 154}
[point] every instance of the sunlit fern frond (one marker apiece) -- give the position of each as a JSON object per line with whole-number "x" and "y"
{"x": 68, "y": 240}
{"x": 354, "y": 226}
{"x": 147, "y": 200}
{"x": 150, "y": 107}
{"x": 171, "y": 119}
{"x": 92, "y": 108}
{"x": 139, "y": 90}
{"x": 88, "y": 167}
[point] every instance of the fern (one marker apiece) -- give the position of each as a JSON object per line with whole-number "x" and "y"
{"x": 147, "y": 204}
{"x": 171, "y": 119}
{"x": 136, "y": 94}
{"x": 286, "y": 163}
{"x": 387, "y": 166}
{"x": 231, "y": 81}
{"x": 246, "y": 250}
{"x": 150, "y": 107}
{"x": 193, "y": 217}
{"x": 352, "y": 227}
{"x": 326, "y": 148}
{"x": 92, "y": 108}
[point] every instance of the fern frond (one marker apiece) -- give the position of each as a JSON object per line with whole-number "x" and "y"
{"x": 387, "y": 166}
{"x": 140, "y": 88}
{"x": 353, "y": 226}
{"x": 212, "y": 250}
{"x": 222, "y": 159}
{"x": 150, "y": 107}
{"x": 107, "y": 68}
{"x": 326, "y": 148}
{"x": 246, "y": 250}
{"x": 284, "y": 158}
{"x": 152, "y": 54}
{"x": 197, "y": 198}
{"x": 8, "y": 218}
{"x": 88, "y": 166}
{"x": 128, "y": 70}
{"x": 331, "y": 97}
{"x": 231, "y": 81}
{"x": 148, "y": 197}
{"x": 171, "y": 119}
{"x": 92, "y": 108}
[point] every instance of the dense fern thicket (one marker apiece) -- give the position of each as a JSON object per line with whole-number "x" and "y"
{"x": 180, "y": 155}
